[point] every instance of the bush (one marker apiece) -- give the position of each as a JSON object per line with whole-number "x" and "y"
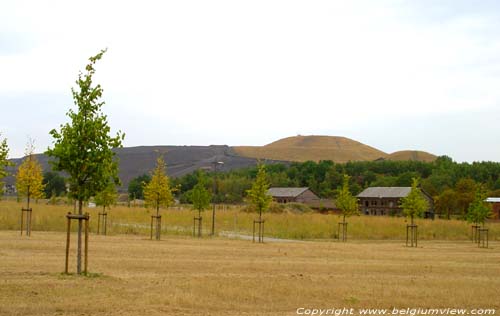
{"x": 298, "y": 208}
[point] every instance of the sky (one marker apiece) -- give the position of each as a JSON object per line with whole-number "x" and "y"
{"x": 395, "y": 75}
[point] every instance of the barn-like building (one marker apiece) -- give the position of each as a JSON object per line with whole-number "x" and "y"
{"x": 302, "y": 195}
{"x": 297, "y": 195}
{"x": 387, "y": 200}
{"x": 495, "y": 206}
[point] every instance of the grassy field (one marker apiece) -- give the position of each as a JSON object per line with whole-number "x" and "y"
{"x": 131, "y": 275}
{"x": 309, "y": 226}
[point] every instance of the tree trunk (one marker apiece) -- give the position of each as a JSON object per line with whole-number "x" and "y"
{"x": 79, "y": 246}
{"x": 260, "y": 215}
{"x": 28, "y": 197}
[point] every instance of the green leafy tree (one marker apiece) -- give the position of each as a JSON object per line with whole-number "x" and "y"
{"x": 4, "y": 162}
{"x": 136, "y": 186}
{"x": 347, "y": 203}
{"x": 479, "y": 211}
{"x": 29, "y": 178}
{"x": 83, "y": 147}
{"x": 257, "y": 195}
{"x": 466, "y": 190}
{"x": 200, "y": 196}
{"x": 157, "y": 192}
{"x": 446, "y": 202}
{"x": 54, "y": 184}
{"x": 414, "y": 204}
{"x": 106, "y": 197}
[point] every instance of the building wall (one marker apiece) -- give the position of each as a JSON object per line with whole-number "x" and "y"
{"x": 496, "y": 210}
{"x": 307, "y": 197}
{"x": 379, "y": 206}
{"x": 386, "y": 206}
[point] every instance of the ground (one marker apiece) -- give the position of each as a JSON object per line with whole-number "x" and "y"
{"x": 131, "y": 275}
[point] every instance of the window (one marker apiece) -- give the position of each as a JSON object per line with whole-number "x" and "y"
{"x": 374, "y": 202}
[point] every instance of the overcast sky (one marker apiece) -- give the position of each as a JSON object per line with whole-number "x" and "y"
{"x": 392, "y": 74}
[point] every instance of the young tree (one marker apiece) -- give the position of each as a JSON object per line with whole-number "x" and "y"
{"x": 257, "y": 195}
{"x": 83, "y": 147}
{"x": 479, "y": 211}
{"x": 106, "y": 197}
{"x": 414, "y": 205}
{"x": 29, "y": 176}
{"x": 199, "y": 195}
{"x": 4, "y": 162}
{"x": 347, "y": 203}
{"x": 158, "y": 192}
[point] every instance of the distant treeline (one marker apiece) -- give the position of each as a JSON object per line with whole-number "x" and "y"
{"x": 452, "y": 184}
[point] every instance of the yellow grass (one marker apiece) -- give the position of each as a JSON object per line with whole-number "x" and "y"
{"x": 184, "y": 276}
{"x": 179, "y": 221}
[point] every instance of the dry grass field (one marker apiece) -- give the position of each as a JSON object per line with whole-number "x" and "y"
{"x": 179, "y": 221}
{"x": 131, "y": 275}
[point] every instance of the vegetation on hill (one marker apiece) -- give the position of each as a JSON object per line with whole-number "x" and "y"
{"x": 453, "y": 185}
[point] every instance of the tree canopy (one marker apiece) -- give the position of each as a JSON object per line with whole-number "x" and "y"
{"x": 257, "y": 195}
{"x": 199, "y": 195}
{"x": 479, "y": 210}
{"x": 4, "y": 162}
{"x": 54, "y": 184}
{"x": 414, "y": 204}
{"x": 83, "y": 147}
{"x": 136, "y": 186}
{"x": 29, "y": 178}
{"x": 158, "y": 192}
{"x": 106, "y": 197}
{"x": 347, "y": 203}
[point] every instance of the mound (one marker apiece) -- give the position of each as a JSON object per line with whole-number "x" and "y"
{"x": 315, "y": 148}
{"x": 414, "y": 155}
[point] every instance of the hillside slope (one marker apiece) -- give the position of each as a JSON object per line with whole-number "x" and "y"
{"x": 315, "y": 148}
{"x": 414, "y": 155}
{"x": 180, "y": 160}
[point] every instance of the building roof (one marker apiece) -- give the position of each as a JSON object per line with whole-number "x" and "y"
{"x": 385, "y": 192}
{"x": 286, "y": 192}
{"x": 493, "y": 200}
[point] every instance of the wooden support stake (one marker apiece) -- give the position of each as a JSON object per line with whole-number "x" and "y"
{"x": 67, "y": 244}
{"x": 22, "y": 219}
{"x": 260, "y": 237}
{"x": 86, "y": 244}
{"x": 86, "y": 218}
{"x": 411, "y": 235}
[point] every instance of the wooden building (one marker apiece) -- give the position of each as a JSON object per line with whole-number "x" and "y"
{"x": 301, "y": 195}
{"x": 495, "y": 206}
{"x": 287, "y": 195}
{"x": 387, "y": 200}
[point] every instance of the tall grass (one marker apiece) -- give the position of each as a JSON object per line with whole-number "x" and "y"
{"x": 179, "y": 221}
